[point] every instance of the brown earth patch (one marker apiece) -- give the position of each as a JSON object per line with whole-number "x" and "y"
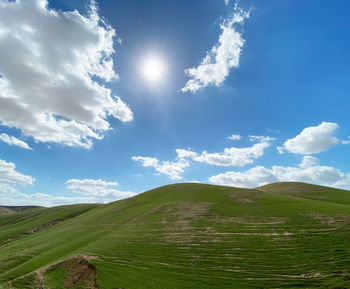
{"x": 78, "y": 269}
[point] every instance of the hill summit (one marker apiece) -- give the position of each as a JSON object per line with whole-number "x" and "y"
{"x": 282, "y": 235}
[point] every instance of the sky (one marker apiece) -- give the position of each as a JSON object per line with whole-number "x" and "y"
{"x": 102, "y": 100}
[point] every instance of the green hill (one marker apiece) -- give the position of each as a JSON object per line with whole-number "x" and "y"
{"x": 5, "y": 211}
{"x": 308, "y": 191}
{"x": 9, "y": 210}
{"x": 184, "y": 236}
{"x": 23, "y": 208}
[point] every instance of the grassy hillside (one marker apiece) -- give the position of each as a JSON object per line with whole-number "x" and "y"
{"x": 304, "y": 190}
{"x": 185, "y": 236}
{"x": 19, "y": 209}
{"x": 9, "y": 210}
{"x": 5, "y": 211}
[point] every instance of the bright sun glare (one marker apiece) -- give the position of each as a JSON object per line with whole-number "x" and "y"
{"x": 153, "y": 69}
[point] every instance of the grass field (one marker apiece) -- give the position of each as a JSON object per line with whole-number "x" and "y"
{"x": 188, "y": 236}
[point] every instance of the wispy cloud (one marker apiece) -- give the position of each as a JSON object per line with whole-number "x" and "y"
{"x": 13, "y": 141}
{"x": 216, "y": 65}
{"x": 52, "y": 66}
{"x": 346, "y": 141}
{"x": 173, "y": 169}
{"x": 232, "y": 156}
{"x": 235, "y": 137}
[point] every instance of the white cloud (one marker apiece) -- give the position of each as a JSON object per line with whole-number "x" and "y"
{"x": 51, "y": 67}
{"x": 235, "y": 137}
{"x": 9, "y": 179}
{"x": 346, "y": 141}
{"x": 8, "y": 175}
{"x": 186, "y": 153}
{"x": 309, "y": 161}
{"x": 13, "y": 141}
{"x": 260, "y": 138}
{"x": 227, "y": 2}
{"x": 312, "y": 140}
{"x": 98, "y": 190}
{"x": 11, "y": 196}
{"x": 173, "y": 169}
{"x": 146, "y": 161}
{"x": 92, "y": 191}
{"x": 230, "y": 156}
{"x": 308, "y": 171}
{"x": 248, "y": 179}
{"x": 216, "y": 66}
{"x": 280, "y": 150}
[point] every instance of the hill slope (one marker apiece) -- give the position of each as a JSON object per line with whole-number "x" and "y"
{"x": 186, "y": 236}
{"x": 309, "y": 191}
{"x": 20, "y": 209}
{"x": 5, "y": 211}
{"x": 9, "y": 210}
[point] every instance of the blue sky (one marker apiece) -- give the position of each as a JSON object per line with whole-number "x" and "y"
{"x": 84, "y": 118}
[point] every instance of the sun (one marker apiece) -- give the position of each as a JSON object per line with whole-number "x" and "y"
{"x": 153, "y": 69}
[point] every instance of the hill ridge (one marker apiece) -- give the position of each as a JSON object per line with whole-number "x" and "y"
{"x": 188, "y": 236}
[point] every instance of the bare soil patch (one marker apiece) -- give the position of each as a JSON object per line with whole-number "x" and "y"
{"x": 78, "y": 269}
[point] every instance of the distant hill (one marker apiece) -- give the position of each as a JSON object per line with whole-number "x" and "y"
{"x": 285, "y": 235}
{"x": 18, "y": 209}
{"x": 5, "y": 211}
{"x": 309, "y": 191}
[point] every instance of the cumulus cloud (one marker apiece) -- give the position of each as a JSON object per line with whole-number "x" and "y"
{"x": 10, "y": 178}
{"x": 218, "y": 62}
{"x": 173, "y": 169}
{"x": 52, "y": 66}
{"x": 249, "y": 179}
{"x": 230, "y": 156}
{"x": 186, "y": 153}
{"x": 312, "y": 140}
{"x": 308, "y": 171}
{"x": 8, "y": 175}
{"x": 235, "y": 137}
{"x": 98, "y": 190}
{"x": 13, "y": 141}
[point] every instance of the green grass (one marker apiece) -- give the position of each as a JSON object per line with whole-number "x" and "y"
{"x": 5, "y": 211}
{"x": 285, "y": 235}
{"x": 23, "y": 208}
{"x": 9, "y": 210}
